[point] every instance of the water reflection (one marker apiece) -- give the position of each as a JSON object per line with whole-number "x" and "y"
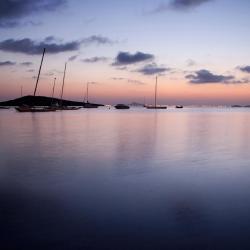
{"x": 137, "y": 179}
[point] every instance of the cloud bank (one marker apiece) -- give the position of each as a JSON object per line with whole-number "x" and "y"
{"x": 31, "y": 47}
{"x": 11, "y": 11}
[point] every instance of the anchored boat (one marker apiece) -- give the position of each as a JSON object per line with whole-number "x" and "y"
{"x": 26, "y": 108}
{"x": 155, "y": 106}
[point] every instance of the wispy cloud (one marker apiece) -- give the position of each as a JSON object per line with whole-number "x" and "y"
{"x": 72, "y": 58}
{"x": 190, "y": 62}
{"x": 7, "y": 63}
{"x": 152, "y": 69}
{"x": 26, "y": 64}
{"x": 95, "y": 59}
{"x": 126, "y": 58}
{"x": 97, "y": 39}
{"x": 132, "y": 81}
{"x": 12, "y": 11}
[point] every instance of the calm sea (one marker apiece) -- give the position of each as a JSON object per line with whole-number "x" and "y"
{"x": 125, "y": 179}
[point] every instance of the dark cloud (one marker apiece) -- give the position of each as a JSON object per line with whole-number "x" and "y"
{"x": 7, "y": 63}
{"x": 152, "y": 69}
{"x": 95, "y": 59}
{"x": 11, "y": 11}
{"x": 99, "y": 40}
{"x": 31, "y": 47}
{"x": 179, "y": 5}
{"x": 125, "y": 58}
{"x": 245, "y": 69}
{"x": 205, "y": 76}
{"x": 27, "y": 64}
{"x": 187, "y": 4}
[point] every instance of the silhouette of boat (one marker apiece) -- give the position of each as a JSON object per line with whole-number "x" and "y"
{"x": 61, "y": 106}
{"x": 4, "y": 107}
{"x": 67, "y": 108}
{"x": 26, "y": 108}
{"x": 122, "y": 106}
{"x": 179, "y": 106}
{"x": 155, "y": 106}
{"x": 87, "y": 104}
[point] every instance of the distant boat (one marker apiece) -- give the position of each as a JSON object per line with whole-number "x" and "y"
{"x": 155, "y": 106}
{"x": 62, "y": 107}
{"x": 26, "y": 108}
{"x": 179, "y": 107}
{"x": 122, "y": 106}
{"x": 87, "y": 104}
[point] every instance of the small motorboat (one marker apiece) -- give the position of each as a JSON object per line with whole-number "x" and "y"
{"x": 122, "y": 106}
{"x": 179, "y": 107}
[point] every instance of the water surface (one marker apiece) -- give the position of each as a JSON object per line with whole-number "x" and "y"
{"x": 125, "y": 179}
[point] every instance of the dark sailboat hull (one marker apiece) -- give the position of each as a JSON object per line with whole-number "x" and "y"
{"x": 156, "y": 107}
{"x": 35, "y": 109}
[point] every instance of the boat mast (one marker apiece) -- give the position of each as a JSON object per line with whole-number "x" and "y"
{"x": 63, "y": 82}
{"x": 52, "y": 96}
{"x": 155, "y": 91}
{"x": 87, "y": 92}
{"x": 39, "y": 72}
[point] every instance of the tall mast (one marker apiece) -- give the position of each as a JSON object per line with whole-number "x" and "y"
{"x": 39, "y": 72}
{"x": 63, "y": 82}
{"x": 87, "y": 92}
{"x": 52, "y": 96}
{"x": 156, "y": 91}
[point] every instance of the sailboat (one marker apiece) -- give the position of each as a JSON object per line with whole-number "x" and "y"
{"x": 155, "y": 106}
{"x": 26, "y": 108}
{"x": 87, "y": 104}
{"x": 61, "y": 107}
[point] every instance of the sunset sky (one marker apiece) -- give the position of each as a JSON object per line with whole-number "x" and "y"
{"x": 199, "y": 49}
